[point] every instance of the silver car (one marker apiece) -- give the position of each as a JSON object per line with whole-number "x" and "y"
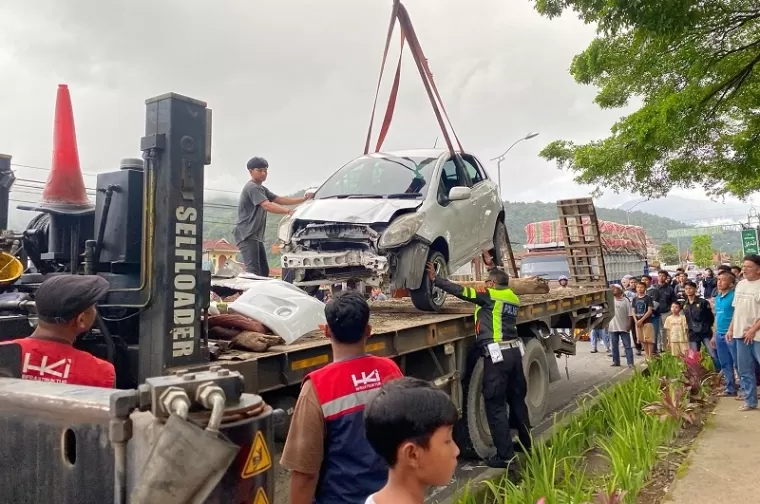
{"x": 382, "y": 216}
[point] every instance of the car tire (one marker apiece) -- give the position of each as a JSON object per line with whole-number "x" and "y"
{"x": 500, "y": 246}
{"x": 428, "y": 297}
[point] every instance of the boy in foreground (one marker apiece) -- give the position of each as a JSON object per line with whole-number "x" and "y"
{"x": 326, "y": 438}
{"x": 410, "y": 425}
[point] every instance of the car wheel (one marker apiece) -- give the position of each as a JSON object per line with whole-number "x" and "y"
{"x": 500, "y": 246}
{"x": 429, "y": 297}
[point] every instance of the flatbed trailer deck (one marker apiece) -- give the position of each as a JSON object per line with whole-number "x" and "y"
{"x": 397, "y": 329}
{"x": 434, "y": 347}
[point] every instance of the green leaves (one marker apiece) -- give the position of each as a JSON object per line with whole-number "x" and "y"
{"x": 668, "y": 253}
{"x": 695, "y": 67}
{"x": 702, "y": 251}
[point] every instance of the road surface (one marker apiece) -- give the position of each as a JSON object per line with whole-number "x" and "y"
{"x": 586, "y": 370}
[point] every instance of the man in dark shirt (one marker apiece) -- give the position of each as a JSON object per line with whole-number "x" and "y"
{"x": 665, "y": 298}
{"x": 679, "y": 289}
{"x": 700, "y": 318}
{"x": 654, "y": 294}
{"x": 255, "y": 202}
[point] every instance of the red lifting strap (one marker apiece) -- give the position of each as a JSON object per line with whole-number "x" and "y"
{"x": 391, "y": 100}
{"x": 382, "y": 67}
{"x": 407, "y": 33}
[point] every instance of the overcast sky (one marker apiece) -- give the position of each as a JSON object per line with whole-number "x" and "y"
{"x": 293, "y": 81}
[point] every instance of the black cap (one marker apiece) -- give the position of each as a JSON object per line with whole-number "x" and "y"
{"x": 63, "y": 297}
{"x": 257, "y": 162}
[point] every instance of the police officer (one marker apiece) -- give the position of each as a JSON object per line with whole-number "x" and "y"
{"x": 501, "y": 349}
{"x": 65, "y": 308}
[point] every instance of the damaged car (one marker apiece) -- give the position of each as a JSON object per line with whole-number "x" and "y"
{"x": 382, "y": 216}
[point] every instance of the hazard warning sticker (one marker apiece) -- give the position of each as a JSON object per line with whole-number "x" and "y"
{"x": 261, "y": 497}
{"x": 258, "y": 461}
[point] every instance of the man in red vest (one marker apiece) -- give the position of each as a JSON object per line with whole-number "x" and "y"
{"x": 65, "y": 308}
{"x": 327, "y": 452}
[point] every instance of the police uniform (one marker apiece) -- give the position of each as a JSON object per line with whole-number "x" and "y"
{"x": 503, "y": 377}
{"x": 58, "y": 300}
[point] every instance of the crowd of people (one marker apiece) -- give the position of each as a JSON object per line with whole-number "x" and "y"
{"x": 720, "y": 312}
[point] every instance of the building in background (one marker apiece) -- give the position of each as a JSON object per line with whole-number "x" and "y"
{"x": 217, "y": 252}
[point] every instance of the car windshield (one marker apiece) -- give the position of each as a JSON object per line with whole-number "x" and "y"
{"x": 383, "y": 176}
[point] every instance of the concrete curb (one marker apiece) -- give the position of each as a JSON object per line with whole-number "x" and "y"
{"x": 544, "y": 431}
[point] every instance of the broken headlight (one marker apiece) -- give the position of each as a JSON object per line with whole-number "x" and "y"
{"x": 401, "y": 231}
{"x": 284, "y": 229}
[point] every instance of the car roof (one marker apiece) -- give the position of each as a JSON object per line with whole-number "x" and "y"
{"x": 426, "y": 153}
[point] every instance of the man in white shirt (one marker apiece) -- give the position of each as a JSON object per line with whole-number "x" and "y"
{"x": 620, "y": 326}
{"x": 744, "y": 330}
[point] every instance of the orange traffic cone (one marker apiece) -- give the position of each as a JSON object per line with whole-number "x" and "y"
{"x": 64, "y": 192}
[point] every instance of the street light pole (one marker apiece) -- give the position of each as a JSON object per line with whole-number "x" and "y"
{"x": 499, "y": 159}
{"x": 628, "y": 212}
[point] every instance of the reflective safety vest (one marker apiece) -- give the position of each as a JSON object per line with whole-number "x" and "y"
{"x": 351, "y": 470}
{"x": 495, "y": 313}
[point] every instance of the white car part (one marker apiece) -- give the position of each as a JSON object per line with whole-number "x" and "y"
{"x": 401, "y": 230}
{"x": 287, "y": 310}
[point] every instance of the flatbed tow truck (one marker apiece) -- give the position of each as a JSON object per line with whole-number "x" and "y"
{"x": 436, "y": 346}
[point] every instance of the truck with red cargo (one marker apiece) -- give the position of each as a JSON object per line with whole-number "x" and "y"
{"x": 624, "y": 246}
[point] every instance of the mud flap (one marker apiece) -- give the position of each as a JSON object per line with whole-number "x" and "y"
{"x": 411, "y": 266}
{"x": 184, "y": 466}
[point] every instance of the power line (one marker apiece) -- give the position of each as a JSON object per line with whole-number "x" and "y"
{"x": 30, "y": 188}
{"x": 90, "y": 174}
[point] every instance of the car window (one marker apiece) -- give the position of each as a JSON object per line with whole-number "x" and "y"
{"x": 449, "y": 179}
{"x": 380, "y": 176}
{"x": 473, "y": 171}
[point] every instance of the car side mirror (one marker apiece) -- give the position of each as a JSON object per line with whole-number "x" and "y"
{"x": 460, "y": 193}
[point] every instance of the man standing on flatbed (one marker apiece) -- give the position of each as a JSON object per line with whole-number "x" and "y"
{"x": 255, "y": 202}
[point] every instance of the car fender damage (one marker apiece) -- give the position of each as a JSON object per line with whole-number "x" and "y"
{"x": 410, "y": 268}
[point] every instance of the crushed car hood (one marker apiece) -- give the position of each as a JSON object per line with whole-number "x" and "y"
{"x": 357, "y": 211}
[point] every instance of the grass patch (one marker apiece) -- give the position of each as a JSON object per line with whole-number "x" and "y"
{"x": 607, "y": 451}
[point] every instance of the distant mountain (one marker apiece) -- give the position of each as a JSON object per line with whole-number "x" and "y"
{"x": 694, "y": 212}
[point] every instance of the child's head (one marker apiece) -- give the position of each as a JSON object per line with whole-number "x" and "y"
{"x": 410, "y": 425}
{"x": 675, "y": 308}
{"x": 641, "y": 287}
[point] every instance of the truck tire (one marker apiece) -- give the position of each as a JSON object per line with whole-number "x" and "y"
{"x": 536, "y": 371}
{"x": 500, "y": 246}
{"x": 472, "y": 434}
{"x": 428, "y": 297}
